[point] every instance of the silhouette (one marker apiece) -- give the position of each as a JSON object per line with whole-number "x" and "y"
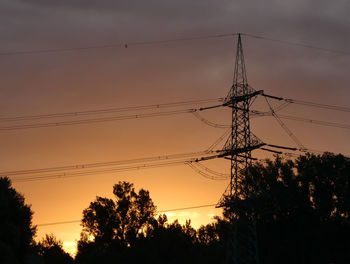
{"x": 16, "y": 230}
{"x": 115, "y": 225}
{"x": 301, "y": 208}
{"x": 52, "y": 252}
{"x": 125, "y": 230}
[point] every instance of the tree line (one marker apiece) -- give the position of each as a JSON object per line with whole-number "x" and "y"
{"x": 301, "y": 211}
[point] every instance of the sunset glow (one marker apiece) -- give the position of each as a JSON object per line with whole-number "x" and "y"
{"x": 41, "y": 83}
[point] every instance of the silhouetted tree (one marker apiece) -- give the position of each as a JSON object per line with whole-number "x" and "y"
{"x": 168, "y": 243}
{"x": 125, "y": 231}
{"x": 16, "y": 230}
{"x": 124, "y": 220}
{"x": 115, "y": 224}
{"x": 301, "y": 208}
{"x": 52, "y": 252}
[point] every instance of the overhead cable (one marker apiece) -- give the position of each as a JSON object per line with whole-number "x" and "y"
{"x": 308, "y": 103}
{"x": 115, "y": 45}
{"x": 286, "y": 129}
{"x": 94, "y": 120}
{"x": 108, "y": 110}
{"x": 111, "y": 166}
{"x": 158, "y": 212}
{"x": 318, "y": 105}
{"x": 306, "y": 120}
{"x": 207, "y": 122}
{"x": 218, "y": 141}
{"x": 317, "y": 122}
{"x": 126, "y": 45}
{"x": 203, "y": 173}
{"x": 304, "y": 45}
{"x": 207, "y": 172}
{"x": 73, "y": 174}
{"x": 103, "y": 164}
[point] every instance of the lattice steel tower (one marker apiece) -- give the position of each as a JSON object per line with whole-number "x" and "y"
{"x": 243, "y": 240}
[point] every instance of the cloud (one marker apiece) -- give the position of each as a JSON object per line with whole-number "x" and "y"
{"x": 156, "y": 17}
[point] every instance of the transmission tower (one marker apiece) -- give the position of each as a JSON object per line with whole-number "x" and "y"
{"x": 242, "y": 247}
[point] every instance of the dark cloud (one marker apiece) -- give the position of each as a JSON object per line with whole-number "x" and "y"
{"x": 141, "y": 19}
{"x": 44, "y": 24}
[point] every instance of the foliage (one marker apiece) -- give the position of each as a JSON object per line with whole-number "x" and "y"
{"x": 16, "y": 230}
{"x": 116, "y": 224}
{"x": 125, "y": 230}
{"x": 301, "y": 208}
{"x": 52, "y": 252}
{"x": 123, "y": 220}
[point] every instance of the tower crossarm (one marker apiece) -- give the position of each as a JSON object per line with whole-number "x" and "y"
{"x": 237, "y": 151}
{"x": 233, "y": 100}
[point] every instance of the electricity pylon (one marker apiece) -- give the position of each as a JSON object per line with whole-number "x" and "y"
{"x": 242, "y": 247}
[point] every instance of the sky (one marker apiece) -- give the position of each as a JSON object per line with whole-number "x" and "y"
{"x": 43, "y": 83}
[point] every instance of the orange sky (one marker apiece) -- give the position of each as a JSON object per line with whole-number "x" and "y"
{"x": 143, "y": 75}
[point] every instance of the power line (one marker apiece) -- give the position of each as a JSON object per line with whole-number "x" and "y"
{"x": 167, "y": 41}
{"x": 299, "y": 44}
{"x": 95, "y": 120}
{"x": 134, "y": 161}
{"x": 59, "y": 223}
{"x": 307, "y": 103}
{"x": 317, "y": 122}
{"x": 70, "y": 171}
{"x": 161, "y": 211}
{"x": 187, "y": 208}
{"x": 206, "y": 172}
{"x": 65, "y": 175}
{"x": 98, "y": 119}
{"x": 167, "y": 105}
{"x": 218, "y": 141}
{"x": 107, "y": 110}
{"x": 318, "y": 105}
{"x": 306, "y": 120}
{"x": 108, "y": 167}
{"x": 194, "y": 111}
{"x": 208, "y": 122}
{"x": 286, "y": 129}
{"x": 219, "y": 174}
{"x": 104, "y": 164}
{"x": 117, "y": 45}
